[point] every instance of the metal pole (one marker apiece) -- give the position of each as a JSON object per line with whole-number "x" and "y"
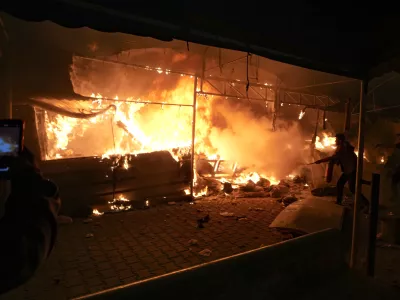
{"x": 347, "y": 115}
{"x": 193, "y": 135}
{"x": 314, "y": 138}
{"x": 373, "y": 224}
{"x": 276, "y": 109}
{"x": 5, "y": 71}
{"x": 360, "y": 160}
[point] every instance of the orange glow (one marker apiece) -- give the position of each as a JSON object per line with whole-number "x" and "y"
{"x": 325, "y": 143}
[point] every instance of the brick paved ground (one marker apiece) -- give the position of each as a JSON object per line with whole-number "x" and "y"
{"x": 131, "y": 246}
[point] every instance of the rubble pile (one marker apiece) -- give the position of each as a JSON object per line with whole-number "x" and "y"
{"x": 286, "y": 191}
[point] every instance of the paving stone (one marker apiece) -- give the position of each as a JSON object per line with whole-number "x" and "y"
{"x": 137, "y": 245}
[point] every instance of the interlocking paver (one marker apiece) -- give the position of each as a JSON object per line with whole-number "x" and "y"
{"x": 136, "y": 245}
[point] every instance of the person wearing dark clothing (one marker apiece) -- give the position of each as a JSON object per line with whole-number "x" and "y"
{"x": 28, "y": 225}
{"x": 347, "y": 159}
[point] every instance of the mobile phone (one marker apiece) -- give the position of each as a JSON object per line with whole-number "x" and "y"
{"x": 11, "y": 140}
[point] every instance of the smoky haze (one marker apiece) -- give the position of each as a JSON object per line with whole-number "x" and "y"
{"x": 249, "y": 140}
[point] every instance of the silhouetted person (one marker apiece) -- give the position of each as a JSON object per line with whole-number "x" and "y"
{"x": 28, "y": 209}
{"x": 347, "y": 159}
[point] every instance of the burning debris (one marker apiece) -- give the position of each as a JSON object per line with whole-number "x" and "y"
{"x": 97, "y": 213}
{"x": 120, "y": 204}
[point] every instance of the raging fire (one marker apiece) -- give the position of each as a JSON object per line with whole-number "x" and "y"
{"x": 325, "y": 143}
{"x": 133, "y": 125}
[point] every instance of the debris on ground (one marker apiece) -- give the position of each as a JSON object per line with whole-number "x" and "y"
{"x": 256, "y": 208}
{"x": 64, "y": 220}
{"x": 200, "y": 222}
{"x": 249, "y": 187}
{"x": 205, "y": 252}
{"x": 193, "y": 242}
{"x": 299, "y": 179}
{"x": 288, "y": 200}
{"x": 279, "y": 190}
{"x": 87, "y": 221}
{"x": 263, "y": 182}
{"x": 172, "y": 203}
{"x": 227, "y": 214}
{"x": 89, "y": 235}
{"x": 227, "y": 188}
{"x": 241, "y": 218}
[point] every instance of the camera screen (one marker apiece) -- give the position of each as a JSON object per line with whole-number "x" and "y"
{"x": 10, "y": 140}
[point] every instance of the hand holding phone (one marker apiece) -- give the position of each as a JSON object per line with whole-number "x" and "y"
{"x": 11, "y": 143}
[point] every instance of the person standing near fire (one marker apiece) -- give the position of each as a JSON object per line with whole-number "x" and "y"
{"x": 347, "y": 159}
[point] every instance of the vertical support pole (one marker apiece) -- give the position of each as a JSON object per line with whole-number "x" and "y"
{"x": 193, "y": 136}
{"x": 373, "y": 224}
{"x": 276, "y": 109}
{"x": 347, "y": 116}
{"x": 203, "y": 69}
{"x": 314, "y": 138}
{"x": 5, "y": 74}
{"x": 360, "y": 161}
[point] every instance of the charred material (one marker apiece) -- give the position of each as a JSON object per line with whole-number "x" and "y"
{"x": 88, "y": 181}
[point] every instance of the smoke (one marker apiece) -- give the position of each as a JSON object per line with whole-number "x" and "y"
{"x": 248, "y": 139}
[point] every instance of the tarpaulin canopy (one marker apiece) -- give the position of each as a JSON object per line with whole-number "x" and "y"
{"x": 341, "y": 38}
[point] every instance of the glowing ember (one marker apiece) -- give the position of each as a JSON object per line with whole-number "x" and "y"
{"x": 301, "y": 115}
{"x": 201, "y": 193}
{"x": 364, "y": 155}
{"x": 97, "y": 213}
{"x": 382, "y": 159}
{"x": 254, "y": 177}
{"x": 126, "y": 166}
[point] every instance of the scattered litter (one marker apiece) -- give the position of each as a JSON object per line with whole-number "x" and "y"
{"x": 172, "y": 203}
{"x": 288, "y": 200}
{"x": 227, "y": 214}
{"x": 203, "y": 220}
{"x": 193, "y": 242}
{"x": 242, "y": 218}
{"x": 205, "y": 252}
{"x": 89, "y": 235}
{"x": 87, "y": 221}
{"x": 64, "y": 220}
{"x": 256, "y": 208}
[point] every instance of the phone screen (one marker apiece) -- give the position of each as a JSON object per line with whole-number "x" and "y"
{"x": 11, "y": 139}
